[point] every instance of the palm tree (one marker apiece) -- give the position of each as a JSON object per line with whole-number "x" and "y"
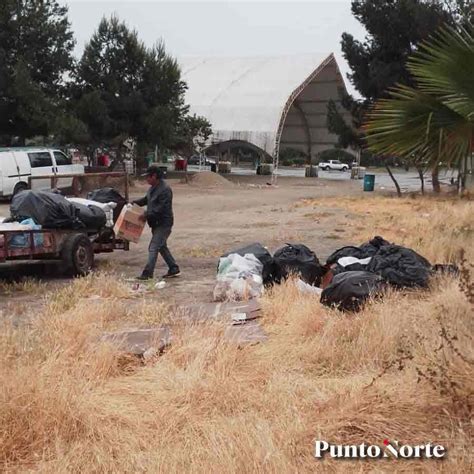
{"x": 433, "y": 122}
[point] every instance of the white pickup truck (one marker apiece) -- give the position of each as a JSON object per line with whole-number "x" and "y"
{"x": 333, "y": 165}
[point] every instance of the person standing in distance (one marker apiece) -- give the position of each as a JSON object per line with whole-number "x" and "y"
{"x": 159, "y": 216}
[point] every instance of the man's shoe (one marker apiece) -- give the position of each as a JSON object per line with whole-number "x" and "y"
{"x": 172, "y": 273}
{"x": 144, "y": 278}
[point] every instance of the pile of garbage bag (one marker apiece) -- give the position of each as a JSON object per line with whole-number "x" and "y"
{"x": 292, "y": 259}
{"x": 350, "y": 277}
{"x": 53, "y": 211}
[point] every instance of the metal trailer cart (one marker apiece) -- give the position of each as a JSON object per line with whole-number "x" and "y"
{"x": 75, "y": 248}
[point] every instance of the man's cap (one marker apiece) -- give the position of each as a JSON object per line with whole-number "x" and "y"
{"x": 151, "y": 170}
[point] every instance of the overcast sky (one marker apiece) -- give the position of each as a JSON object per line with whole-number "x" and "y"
{"x": 220, "y": 28}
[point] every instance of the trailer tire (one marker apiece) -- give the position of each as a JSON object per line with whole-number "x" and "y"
{"x": 78, "y": 255}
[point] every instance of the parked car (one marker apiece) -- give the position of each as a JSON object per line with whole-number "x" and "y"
{"x": 333, "y": 165}
{"x": 18, "y": 164}
{"x": 205, "y": 161}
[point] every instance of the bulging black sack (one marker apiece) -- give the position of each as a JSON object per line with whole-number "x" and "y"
{"x": 300, "y": 260}
{"x": 348, "y": 291}
{"x": 262, "y": 254}
{"x": 48, "y": 209}
{"x": 106, "y": 195}
{"x": 92, "y": 217}
{"x": 365, "y": 250}
{"x": 401, "y": 267}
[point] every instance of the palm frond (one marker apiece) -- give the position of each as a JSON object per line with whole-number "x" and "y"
{"x": 444, "y": 66}
{"x": 413, "y": 123}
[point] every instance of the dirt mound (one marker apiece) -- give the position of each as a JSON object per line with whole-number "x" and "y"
{"x": 208, "y": 179}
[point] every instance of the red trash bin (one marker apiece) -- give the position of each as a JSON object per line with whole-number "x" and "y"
{"x": 180, "y": 164}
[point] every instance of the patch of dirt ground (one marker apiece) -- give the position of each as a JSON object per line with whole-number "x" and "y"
{"x": 209, "y": 220}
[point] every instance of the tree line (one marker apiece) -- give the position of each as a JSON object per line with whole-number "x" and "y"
{"x": 119, "y": 89}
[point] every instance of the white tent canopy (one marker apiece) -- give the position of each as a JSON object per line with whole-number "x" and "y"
{"x": 271, "y": 102}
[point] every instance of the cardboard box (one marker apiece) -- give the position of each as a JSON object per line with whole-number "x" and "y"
{"x": 129, "y": 226}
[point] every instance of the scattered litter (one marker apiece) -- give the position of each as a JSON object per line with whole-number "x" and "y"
{"x": 160, "y": 285}
{"x": 241, "y": 318}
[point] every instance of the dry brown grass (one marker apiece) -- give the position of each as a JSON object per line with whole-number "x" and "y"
{"x": 67, "y": 404}
{"x": 438, "y": 228}
{"x": 25, "y": 286}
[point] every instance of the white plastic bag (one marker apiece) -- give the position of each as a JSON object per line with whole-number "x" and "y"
{"x": 238, "y": 278}
{"x": 304, "y": 287}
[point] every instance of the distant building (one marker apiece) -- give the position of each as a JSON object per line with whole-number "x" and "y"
{"x": 266, "y": 103}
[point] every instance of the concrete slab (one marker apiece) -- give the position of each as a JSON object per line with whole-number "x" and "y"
{"x": 140, "y": 341}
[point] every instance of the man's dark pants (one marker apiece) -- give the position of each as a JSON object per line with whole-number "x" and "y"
{"x": 158, "y": 246}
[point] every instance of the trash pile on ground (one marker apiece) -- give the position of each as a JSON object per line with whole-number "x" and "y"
{"x": 349, "y": 278}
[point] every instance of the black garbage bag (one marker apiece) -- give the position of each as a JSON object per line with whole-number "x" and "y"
{"x": 348, "y": 291}
{"x": 48, "y": 209}
{"x": 105, "y": 195}
{"x": 298, "y": 259}
{"x": 365, "y": 250}
{"x": 92, "y": 217}
{"x": 354, "y": 267}
{"x": 263, "y": 255}
{"x": 401, "y": 266}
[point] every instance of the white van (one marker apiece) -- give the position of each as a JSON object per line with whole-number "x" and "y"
{"x": 17, "y": 164}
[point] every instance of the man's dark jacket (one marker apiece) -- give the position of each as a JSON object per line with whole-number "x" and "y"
{"x": 159, "y": 202}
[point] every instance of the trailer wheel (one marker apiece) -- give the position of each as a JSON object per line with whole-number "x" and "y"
{"x": 78, "y": 255}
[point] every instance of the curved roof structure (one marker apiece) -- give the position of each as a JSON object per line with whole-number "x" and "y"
{"x": 271, "y": 102}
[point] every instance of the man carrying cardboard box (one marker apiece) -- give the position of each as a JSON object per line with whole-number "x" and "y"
{"x": 159, "y": 215}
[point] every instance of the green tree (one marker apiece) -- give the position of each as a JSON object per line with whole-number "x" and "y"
{"x": 192, "y": 134}
{"x": 394, "y": 29}
{"x": 35, "y": 55}
{"x": 433, "y": 121}
{"x": 125, "y": 90}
